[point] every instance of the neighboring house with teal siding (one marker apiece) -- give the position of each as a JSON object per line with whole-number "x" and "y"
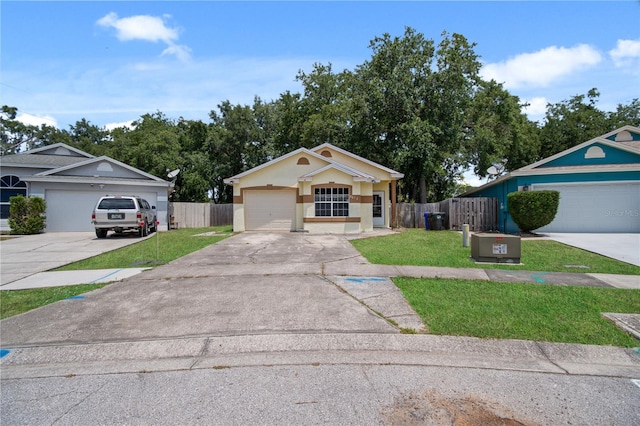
{"x": 598, "y": 181}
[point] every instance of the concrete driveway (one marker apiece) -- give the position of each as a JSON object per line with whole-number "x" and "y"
{"x": 26, "y": 255}
{"x": 279, "y": 290}
{"x": 623, "y": 247}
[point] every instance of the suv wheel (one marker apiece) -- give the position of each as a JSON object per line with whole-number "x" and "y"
{"x": 143, "y": 231}
{"x": 101, "y": 233}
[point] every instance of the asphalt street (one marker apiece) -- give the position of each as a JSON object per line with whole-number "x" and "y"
{"x": 261, "y": 328}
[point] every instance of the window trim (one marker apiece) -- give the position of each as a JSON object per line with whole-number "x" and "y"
{"x": 13, "y": 183}
{"x": 338, "y": 203}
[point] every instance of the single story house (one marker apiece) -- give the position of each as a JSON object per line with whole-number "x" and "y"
{"x": 71, "y": 181}
{"x": 598, "y": 181}
{"x": 320, "y": 190}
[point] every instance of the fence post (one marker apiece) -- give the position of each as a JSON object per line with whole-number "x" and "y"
{"x": 465, "y": 235}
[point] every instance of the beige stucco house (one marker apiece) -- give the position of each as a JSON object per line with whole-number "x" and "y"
{"x": 320, "y": 190}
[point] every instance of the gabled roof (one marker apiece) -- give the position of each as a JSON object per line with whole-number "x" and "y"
{"x": 357, "y": 175}
{"x": 61, "y": 149}
{"x": 537, "y": 169}
{"x": 393, "y": 173}
{"x": 59, "y": 158}
{"x": 234, "y": 179}
{"x": 331, "y": 164}
{"x": 46, "y": 157}
{"x": 38, "y": 161}
{"x": 100, "y": 160}
{"x": 599, "y": 140}
{"x": 628, "y": 128}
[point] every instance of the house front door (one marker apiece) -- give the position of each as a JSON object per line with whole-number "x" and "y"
{"x": 378, "y": 208}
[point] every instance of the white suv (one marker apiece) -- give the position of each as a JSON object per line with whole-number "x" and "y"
{"x": 121, "y": 213}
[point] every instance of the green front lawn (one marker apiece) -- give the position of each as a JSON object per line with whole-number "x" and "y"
{"x": 520, "y": 311}
{"x": 444, "y": 248}
{"x": 14, "y": 302}
{"x": 162, "y": 247}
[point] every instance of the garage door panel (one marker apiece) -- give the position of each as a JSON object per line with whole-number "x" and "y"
{"x": 595, "y": 207}
{"x": 270, "y": 210}
{"x": 69, "y": 211}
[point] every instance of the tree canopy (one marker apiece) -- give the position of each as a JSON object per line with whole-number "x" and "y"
{"x": 416, "y": 105}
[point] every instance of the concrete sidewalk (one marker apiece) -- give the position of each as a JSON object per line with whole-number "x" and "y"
{"x": 64, "y": 278}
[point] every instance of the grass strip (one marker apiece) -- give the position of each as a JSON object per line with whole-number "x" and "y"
{"x": 14, "y": 302}
{"x": 521, "y": 311}
{"x": 444, "y": 248}
{"x": 162, "y": 247}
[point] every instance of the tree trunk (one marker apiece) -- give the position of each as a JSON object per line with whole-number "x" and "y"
{"x": 423, "y": 190}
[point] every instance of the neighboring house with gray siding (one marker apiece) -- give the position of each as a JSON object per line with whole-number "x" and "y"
{"x": 71, "y": 181}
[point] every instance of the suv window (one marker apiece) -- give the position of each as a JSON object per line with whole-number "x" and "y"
{"x": 116, "y": 203}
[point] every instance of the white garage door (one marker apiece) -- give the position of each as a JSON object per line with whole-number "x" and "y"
{"x": 70, "y": 211}
{"x": 596, "y": 207}
{"x": 270, "y": 210}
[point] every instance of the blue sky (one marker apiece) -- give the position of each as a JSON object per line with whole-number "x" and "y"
{"x": 110, "y": 62}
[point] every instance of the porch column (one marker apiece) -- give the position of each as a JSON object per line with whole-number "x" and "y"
{"x": 393, "y": 204}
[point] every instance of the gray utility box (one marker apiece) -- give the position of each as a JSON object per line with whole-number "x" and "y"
{"x": 495, "y": 248}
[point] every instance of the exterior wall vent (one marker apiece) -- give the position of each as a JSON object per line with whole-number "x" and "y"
{"x": 595, "y": 152}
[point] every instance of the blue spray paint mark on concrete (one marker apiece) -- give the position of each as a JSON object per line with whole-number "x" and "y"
{"x": 538, "y": 278}
{"x": 106, "y": 276}
{"x": 364, "y": 279}
{"x": 75, "y": 297}
{"x": 4, "y": 352}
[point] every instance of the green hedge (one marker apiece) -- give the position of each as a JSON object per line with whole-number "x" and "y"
{"x": 26, "y": 215}
{"x": 533, "y": 209}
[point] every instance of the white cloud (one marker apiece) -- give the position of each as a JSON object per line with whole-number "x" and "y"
{"x": 470, "y": 178}
{"x": 125, "y": 124}
{"x": 627, "y": 55}
{"x": 35, "y": 120}
{"x": 542, "y": 68}
{"x": 536, "y": 108}
{"x": 181, "y": 52}
{"x": 147, "y": 28}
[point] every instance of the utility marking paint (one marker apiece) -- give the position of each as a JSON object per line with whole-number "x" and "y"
{"x": 108, "y": 275}
{"x": 75, "y": 297}
{"x": 365, "y": 279}
{"x": 538, "y": 278}
{"x": 4, "y": 352}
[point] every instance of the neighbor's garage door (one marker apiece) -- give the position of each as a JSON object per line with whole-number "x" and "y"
{"x": 270, "y": 210}
{"x": 594, "y": 207}
{"x": 70, "y": 210}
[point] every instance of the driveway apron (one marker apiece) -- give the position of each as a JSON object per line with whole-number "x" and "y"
{"x": 276, "y": 287}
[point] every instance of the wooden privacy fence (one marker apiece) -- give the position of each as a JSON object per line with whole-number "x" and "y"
{"x": 481, "y": 214}
{"x": 200, "y": 215}
{"x": 411, "y": 215}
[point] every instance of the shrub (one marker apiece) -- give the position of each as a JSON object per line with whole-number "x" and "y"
{"x": 26, "y": 215}
{"x": 533, "y": 209}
